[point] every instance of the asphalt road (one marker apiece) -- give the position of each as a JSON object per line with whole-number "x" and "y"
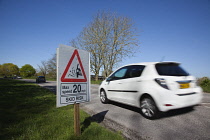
{"x": 182, "y": 124}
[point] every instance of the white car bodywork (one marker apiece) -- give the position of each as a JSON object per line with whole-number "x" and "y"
{"x": 131, "y": 90}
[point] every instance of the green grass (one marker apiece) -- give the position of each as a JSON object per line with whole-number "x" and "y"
{"x": 28, "y": 112}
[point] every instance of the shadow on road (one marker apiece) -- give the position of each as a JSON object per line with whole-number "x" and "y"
{"x": 99, "y": 117}
{"x": 135, "y": 109}
{"x": 168, "y": 114}
{"x": 177, "y": 112}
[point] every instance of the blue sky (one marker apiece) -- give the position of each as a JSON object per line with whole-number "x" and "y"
{"x": 176, "y": 30}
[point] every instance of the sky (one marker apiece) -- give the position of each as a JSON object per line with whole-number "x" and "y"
{"x": 169, "y": 30}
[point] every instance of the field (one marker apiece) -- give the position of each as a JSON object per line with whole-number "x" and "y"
{"x": 28, "y": 112}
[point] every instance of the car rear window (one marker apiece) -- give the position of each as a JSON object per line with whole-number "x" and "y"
{"x": 170, "y": 69}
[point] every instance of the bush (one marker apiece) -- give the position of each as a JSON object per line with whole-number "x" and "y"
{"x": 205, "y": 84}
{"x": 205, "y": 81}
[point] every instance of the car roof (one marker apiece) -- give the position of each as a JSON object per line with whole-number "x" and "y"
{"x": 147, "y": 63}
{"x": 153, "y": 63}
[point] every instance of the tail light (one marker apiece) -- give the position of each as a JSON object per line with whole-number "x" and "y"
{"x": 161, "y": 82}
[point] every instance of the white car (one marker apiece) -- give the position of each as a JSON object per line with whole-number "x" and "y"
{"x": 154, "y": 87}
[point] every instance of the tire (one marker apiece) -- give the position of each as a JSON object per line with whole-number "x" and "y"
{"x": 148, "y": 108}
{"x": 103, "y": 97}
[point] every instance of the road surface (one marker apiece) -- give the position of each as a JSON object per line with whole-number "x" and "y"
{"x": 182, "y": 124}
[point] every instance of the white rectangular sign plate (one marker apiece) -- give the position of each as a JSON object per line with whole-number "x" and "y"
{"x": 73, "y": 76}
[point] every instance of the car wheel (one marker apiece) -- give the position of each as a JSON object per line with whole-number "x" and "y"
{"x": 148, "y": 108}
{"x": 103, "y": 97}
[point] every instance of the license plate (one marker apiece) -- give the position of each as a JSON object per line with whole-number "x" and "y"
{"x": 185, "y": 85}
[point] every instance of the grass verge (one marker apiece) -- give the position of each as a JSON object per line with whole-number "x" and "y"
{"x": 28, "y": 112}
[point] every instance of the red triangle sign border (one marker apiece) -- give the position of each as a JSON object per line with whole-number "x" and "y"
{"x": 63, "y": 79}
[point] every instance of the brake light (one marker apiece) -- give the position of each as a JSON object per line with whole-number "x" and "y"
{"x": 161, "y": 82}
{"x": 168, "y": 105}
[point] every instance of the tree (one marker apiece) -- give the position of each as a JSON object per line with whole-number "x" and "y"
{"x": 9, "y": 69}
{"x": 15, "y": 70}
{"x": 43, "y": 68}
{"x": 51, "y": 64}
{"x": 1, "y": 70}
{"x": 1, "y": 73}
{"x": 109, "y": 38}
{"x": 27, "y": 70}
{"x": 48, "y": 68}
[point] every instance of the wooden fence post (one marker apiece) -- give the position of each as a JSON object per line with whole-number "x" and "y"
{"x": 77, "y": 131}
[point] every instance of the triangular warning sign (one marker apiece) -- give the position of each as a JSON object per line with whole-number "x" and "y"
{"x": 74, "y": 71}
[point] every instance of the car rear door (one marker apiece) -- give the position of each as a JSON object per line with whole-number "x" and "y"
{"x": 125, "y": 85}
{"x": 130, "y": 85}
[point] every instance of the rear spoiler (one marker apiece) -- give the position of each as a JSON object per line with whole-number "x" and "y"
{"x": 169, "y": 63}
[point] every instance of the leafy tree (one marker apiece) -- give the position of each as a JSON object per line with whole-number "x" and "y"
{"x": 27, "y": 70}
{"x": 109, "y": 38}
{"x": 205, "y": 81}
{"x": 1, "y": 73}
{"x": 9, "y": 69}
{"x": 15, "y": 70}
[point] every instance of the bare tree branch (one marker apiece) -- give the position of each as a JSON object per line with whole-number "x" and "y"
{"x": 43, "y": 68}
{"x": 110, "y": 39}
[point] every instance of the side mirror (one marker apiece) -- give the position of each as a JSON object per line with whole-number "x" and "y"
{"x": 109, "y": 79}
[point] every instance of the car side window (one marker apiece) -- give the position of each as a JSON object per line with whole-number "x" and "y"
{"x": 119, "y": 74}
{"x": 134, "y": 71}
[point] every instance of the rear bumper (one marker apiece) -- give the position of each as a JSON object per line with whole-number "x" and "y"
{"x": 174, "y": 100}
